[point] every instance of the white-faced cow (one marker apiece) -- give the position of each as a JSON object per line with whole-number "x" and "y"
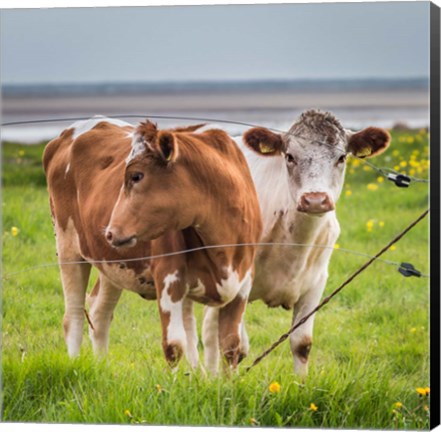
{"x": 118, "y": 192}
{"x": 299, "y": 181}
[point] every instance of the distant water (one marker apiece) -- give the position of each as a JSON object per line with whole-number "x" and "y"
{"x": 160, "y": 87}
{"x": 274, "y": 104}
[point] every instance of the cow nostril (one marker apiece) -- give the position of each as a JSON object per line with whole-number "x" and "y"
{"x": 109, "y": 236}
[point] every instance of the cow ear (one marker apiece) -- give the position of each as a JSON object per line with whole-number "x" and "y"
{"x": 368, "y": 142}
{"x": 263, "y": 141}
{"x": 167, "y": 147}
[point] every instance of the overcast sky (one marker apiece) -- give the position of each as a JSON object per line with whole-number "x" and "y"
{"x": 354, "y": 40}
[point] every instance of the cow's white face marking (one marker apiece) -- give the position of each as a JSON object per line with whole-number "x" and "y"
{"x": 314, "y": 166}
{"x": 175, "y": 330}
{"x": 138, "y": 147}
{"x": 83, "y": 126}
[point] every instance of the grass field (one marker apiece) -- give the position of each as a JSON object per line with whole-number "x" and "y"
{"x": 370, "y": 350}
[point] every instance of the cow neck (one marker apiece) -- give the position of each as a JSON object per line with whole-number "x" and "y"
{"x": 303, "y": 227}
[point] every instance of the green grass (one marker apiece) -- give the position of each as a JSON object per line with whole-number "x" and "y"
{"x": 370, "y": 342}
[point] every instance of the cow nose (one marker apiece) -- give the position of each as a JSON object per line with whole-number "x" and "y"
{"x": 117, "y": 240}
{"x": 315, "y": 203}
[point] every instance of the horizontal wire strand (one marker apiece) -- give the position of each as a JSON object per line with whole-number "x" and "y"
{"x": 169, "y": 254}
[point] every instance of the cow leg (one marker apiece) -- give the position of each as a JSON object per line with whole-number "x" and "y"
{"x": 101, "y": 314}
{"x": 230, "y": 319}
{"x": 191, "y": 332}
{"x": 244, "y": 342}
{"x": 74, "y": 278}
{"x": 171, "y": 296}
{"x": 301, "y": 338}
{"x": 210, "y": 337}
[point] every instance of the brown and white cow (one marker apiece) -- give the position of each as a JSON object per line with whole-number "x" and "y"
{"x": 299, "y": 180}
{"x": 117, "y": 193}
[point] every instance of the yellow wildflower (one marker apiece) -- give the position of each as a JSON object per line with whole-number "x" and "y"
{"x": 21, "y": 153}
{"x": 410, "y": 140}
{"x": 128, "y": 413}
{"x": 425, "y": 408}
{"x": 395, "y": 153}
{"x": 355, "y": 162}
{"x": 403, "y": 164}
{"x": 14, "y": 231}
{"x": 348, "y": 193}
{"x": 253, "y": 421}
{"x": 380, "y": 179}
{"x": 381, "y": 224}
{"x": 372, "y": 187}
{"x": 392, "y": 248}
{"x": 274, "y": 387}
{"x": 413, "y": 330}
{"x": 158, "y": 388}
{"x": 336, "y": 246}
{"x": 313, "y": 407}
{"x": 367, "y": 168}
{"x": 398, "y": 405}
{"x": 423, "y": 391}
{"x": 352, "y": 171}
{"x": 370, "y": 224}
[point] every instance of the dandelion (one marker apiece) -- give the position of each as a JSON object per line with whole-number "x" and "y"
{"x": 395, "y": 153}
{"x": 380, "y": 179}
{"x": 128, "y": 413}
{"x": 403, "y": 164}
{"x": 253, "y": 421}
{"x": 274, "y": 387}
{"x": 370, "y": 225}
{"x": 381, "y": 224}
{"x": 413, "y": 330}
{"x": 14, "y": 231}
{"x": 392, "y": 248}
{"x": 423, "y": 391}
{"x": 158, "y": 388}
{"x": 398, "y": 405}
{"x": 410, "y": 140}
{"x": 336, "y": 246}
{"x": 21, "y": 153}
{"x": 313, "y": 407}
{"x": 367, "y": 168}
{"x": 372, "y": 187}
{"x": 348, "y": 193}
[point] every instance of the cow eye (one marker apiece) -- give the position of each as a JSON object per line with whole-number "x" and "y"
{"x": 136, "y": 177}
{"x": 341, "y": 159}
{"x": 290, "y": 159}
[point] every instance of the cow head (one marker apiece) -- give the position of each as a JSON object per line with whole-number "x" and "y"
{"x": 315, "y": 150}
{"x": 151, "y": 199}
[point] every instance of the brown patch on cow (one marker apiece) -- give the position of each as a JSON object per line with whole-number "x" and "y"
{"x": 188, "y": 129}
{"x": 304, "y": 348}
{"x": 105, "y": 162}
{"x": 264, "y": 142}
{"x": 147, "y": 130}
{"x": 369, "y": 142}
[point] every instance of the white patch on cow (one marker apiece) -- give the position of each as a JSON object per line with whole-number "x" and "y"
{"x": 228, "y": 287}
{"x": 245, "y": 285}
{"x": 210, "y": 337}
{"x": 83, "y": 126}
{"x": 175, "y": 329}
{"x": 270, "y": 177}
{"x": 138, "y": 147}
{"x": 197, "y": 290}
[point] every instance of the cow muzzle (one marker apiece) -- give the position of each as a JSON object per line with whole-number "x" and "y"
{"x": 315, "y": 203}
{"x": 116, "y": 239}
